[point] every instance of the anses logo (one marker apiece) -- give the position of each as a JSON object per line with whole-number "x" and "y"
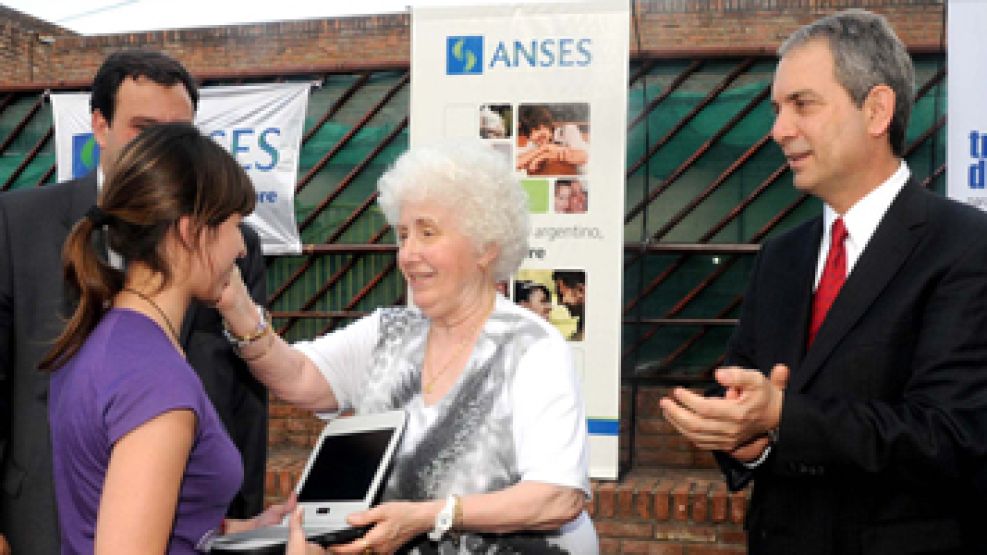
{"x": 85, "y": 154}
{"x": 464, "y": 55}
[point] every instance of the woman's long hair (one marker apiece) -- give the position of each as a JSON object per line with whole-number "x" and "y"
{"x": 167, "y": 172}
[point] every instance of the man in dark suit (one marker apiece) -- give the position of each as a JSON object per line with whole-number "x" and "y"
{"x": 856, "y": 396}
{"x": 132, "y": 89}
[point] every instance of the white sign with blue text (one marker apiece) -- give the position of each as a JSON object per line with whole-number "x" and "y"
{"x": 967, "y": 112}
{"x": 260, "y": 125}
{"x": 545, "y": 85}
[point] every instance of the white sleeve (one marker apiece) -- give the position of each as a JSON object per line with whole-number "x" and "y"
{"x": 572, "y": 138}
{"x": 550, "y": 434}
{"x": 343, "y": 356}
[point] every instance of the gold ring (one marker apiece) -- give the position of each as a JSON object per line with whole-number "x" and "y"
{"x": 368, "y": 550}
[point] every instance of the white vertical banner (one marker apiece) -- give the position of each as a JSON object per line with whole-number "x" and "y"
{"x": 260, "y": 125}
{"x": 967, "y": 115}
{"x": 546, "y": 85}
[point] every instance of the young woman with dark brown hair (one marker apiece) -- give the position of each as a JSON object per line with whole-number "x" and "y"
{"x": 142, "y": 462}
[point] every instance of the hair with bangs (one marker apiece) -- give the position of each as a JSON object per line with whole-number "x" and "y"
{"x": 167, "y": 172}
{"x": 475, "y": 180}
{"x": 866, "y": 53}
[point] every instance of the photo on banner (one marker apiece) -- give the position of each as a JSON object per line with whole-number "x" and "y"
{"x": 553, "y": 139}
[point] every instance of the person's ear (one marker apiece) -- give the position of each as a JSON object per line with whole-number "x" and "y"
{"x": 878, "y": 108}
{"x": 187, "y": 234}
{"x": 488, "y": 255}
{"x": 101, "y": 128}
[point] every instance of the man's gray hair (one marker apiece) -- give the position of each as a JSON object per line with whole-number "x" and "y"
{"x": 473, "y": 179}
{"x": 866, "y": 52}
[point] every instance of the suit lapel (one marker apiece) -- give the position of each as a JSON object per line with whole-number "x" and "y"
{"x": 889, "y": 247}
{"x": 795, "y": 283}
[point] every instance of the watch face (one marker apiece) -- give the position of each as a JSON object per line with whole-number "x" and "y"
{"x": 445, "y": 521}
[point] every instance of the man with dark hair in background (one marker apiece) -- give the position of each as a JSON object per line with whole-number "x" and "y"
{"x": 855, "y": 386}
{"x": 132, "y": 89}
{"x": 570, "y": 287}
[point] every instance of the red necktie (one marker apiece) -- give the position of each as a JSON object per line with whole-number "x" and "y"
{"x": 833, "y": 276}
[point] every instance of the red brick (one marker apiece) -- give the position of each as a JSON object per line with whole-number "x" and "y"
{"x": 606, "y": 500}
{"x": 624, "y": 529}
{"x": 625, "y": 500}
{"x": 733, "y": 536}
{"x": 682, "y": 532}
{"x": 738, "y": 506}
{"x": 680, "y": 501}
{"x": 700, "y": 501}
{"x": 590, "y": 506}
{"x": 609, "y": 546}
{"x": 663, "y": 499}
{"x": 644, "y": 501}
{"x": 650, "y": 548}
{"x": 715, "y": 550}
{"x": 718, "y": 501}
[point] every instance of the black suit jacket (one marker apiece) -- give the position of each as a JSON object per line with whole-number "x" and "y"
{"x": 883, "y": 432}
{"x": 33, "y": 305}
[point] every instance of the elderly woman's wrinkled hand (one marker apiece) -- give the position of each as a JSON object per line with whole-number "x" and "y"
{"x": 393, "y": 524}
{"x": 235, "y": 304}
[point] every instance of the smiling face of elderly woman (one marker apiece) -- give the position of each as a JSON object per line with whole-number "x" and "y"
{"x": 461, "y": 221}
{"x": 446, "y": 272}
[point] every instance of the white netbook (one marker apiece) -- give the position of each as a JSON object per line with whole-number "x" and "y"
{"x": 343, "y": 475}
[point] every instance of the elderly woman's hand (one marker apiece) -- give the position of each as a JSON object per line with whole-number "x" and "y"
{"x": 236, "y": 306}
{"x": 394, "y": 524}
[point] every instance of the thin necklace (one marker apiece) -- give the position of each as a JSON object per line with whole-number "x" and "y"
{"x": 148, "y": 300}
{"x": 427, "y": 386}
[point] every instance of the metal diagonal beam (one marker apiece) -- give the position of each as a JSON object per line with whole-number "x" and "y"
{"x": 335, "y": 277}
{"x": 696, "y": 337}
{"x": 718, "y": 321}
{"x": 929, "y": 133}
{"x": 342, "y": 185}
{"x": 681, "y": 305}
{"x": 345, "y": 182}
{"x": 367, "y": 288}
{"x": 351, "y": 133}
{"x": 720, "y": 270}
{"x": 7, "y": 101}
{"x": 45, "y": 176}
{"x": 672, "y": 87}
{"x": 715, "y": 92}
{"x": 736, "y": 211}
{"x": 16, "y": 131}
{"x": 642, "y": 70}
{"x": 934, "y": 175}
{"x": 706, "y": 193}
{"x": 355, "y": 86}
{"x": 300, "y": 271}
{"x": 27, "y": 159}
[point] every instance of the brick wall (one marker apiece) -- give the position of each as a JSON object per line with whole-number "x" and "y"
{"x": 666, "y": 27}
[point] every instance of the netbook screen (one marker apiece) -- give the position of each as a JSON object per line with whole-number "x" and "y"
{"x": 345, "y": 466}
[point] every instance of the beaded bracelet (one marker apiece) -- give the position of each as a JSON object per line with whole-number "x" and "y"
{"x": 262, "y": 329}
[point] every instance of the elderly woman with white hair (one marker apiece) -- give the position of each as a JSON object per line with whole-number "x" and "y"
{"x": 494, "y": 457}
